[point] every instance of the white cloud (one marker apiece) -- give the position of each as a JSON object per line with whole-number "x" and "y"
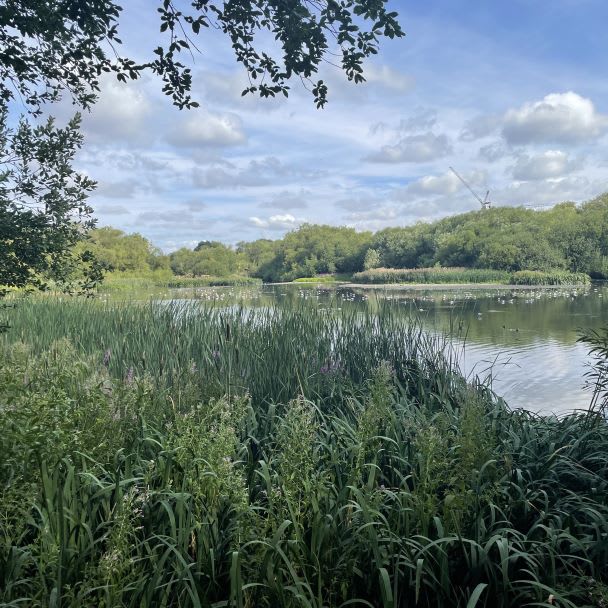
{"x": 206, "y": 129}
{"x": 388, "y": 78}
{"x": 552, "y": 163}
{"x": 414, "y": 149}
{"x": 558, "y": 117}
{"x": 277, "y": 222}
{"x": 572, "y": 188}
{"x": 435, "y": 184}
{"x": 121, "y": 113}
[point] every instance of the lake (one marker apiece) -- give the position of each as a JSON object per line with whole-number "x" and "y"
{"x": 522, "y": 340}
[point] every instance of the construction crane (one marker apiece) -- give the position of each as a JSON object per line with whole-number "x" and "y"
{"x": 485, "y": 203}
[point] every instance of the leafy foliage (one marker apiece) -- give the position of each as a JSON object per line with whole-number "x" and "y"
{"x": 383, "y": 479}
{"x": 51, "y": 49}
{"x": 43, "y": 208}
{"x": 305, "y": 33}
{"x": 567, "y": 238}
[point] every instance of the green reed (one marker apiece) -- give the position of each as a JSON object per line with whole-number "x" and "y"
{"x": 431, "y": 275}
{"x": 231, "y": 457}
{"x": 469, "y": 275}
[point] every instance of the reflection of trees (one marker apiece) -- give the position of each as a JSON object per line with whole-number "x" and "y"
{"x": 504, "y": 317}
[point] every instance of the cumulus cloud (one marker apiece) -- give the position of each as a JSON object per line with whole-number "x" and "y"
{"x": 558, "y": 117}
{"x": 120, "y": 114}
{"x": 206, "y": 129}
{"x": 277, "y": 222}
{"x": 414, "y": 149}
{"x": 552, "y": 163}
{"x": 435, "y": 184}
{"x": 548, "y": 191}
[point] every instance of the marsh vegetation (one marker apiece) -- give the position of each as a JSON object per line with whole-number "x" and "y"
{"x": 182, "y": 454}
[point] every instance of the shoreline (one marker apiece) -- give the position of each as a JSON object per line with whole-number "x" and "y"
{"x": 429, "y": 286}
{"x": 440, "y": 286}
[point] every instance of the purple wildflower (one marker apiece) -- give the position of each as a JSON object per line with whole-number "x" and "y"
{"x": 330, "y": 367}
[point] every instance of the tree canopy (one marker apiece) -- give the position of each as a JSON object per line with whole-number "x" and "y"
{"x": 567, "y": 237}
{"x": 54, "y": 49}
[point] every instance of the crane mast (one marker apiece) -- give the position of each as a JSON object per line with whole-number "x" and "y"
{"x": 485, "y": 204}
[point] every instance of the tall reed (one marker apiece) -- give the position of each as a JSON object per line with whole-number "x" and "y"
{"x": 177, "y": 455}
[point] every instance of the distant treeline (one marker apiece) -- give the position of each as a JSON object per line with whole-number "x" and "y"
{"x": 567, "y": 237}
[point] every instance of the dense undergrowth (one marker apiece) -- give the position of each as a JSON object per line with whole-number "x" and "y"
{"x": 169, "y": 455}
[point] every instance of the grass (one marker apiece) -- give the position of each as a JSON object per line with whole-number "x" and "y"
{"x": 430, "y": 275}
{"x": 180, "y": 455}
{"x": 556, "y": 277}
{"x": 325, "y": 278}
{"x": 126, "y": 284}
{"x": 469, "y": 275}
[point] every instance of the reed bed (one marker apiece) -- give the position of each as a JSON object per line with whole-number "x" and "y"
{"x": 129, "y": 284}
{"x": 469, "y": 275}
{"x": 555, "y": 277}
{"x": 431, "y": 275}
{"x": 180, "y": 455}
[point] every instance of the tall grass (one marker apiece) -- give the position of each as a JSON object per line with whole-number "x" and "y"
{"x": 555, "y": 277}
{"x": 275, "y": 354}
{"x": 120, "y": 283}
{"x": 430, "y": 275}
{"x": 178, "y": 455}
{"x": 469, "y": 275}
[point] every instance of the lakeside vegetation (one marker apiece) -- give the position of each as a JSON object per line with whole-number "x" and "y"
{"x": 507, "y": 244}
{"x": 203, "y": 456}
{"x": 438, "y": 275}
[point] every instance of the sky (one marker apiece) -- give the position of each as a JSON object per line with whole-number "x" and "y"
{"x": 514, "y": 95}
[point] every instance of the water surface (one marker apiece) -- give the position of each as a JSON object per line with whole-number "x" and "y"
{"x": 521, "y": 340}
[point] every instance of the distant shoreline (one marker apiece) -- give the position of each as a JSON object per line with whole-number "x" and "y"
{"x": 440, "y": 286}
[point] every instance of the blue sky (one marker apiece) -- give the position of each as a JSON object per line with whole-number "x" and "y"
{"x": 513, "y": 94}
